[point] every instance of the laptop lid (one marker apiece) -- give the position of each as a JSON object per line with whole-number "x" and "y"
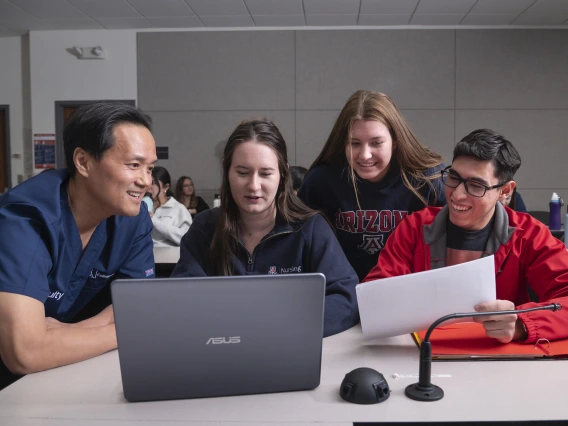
{"x": 218, "y": 336}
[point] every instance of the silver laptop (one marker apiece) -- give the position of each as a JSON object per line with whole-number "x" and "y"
{"x": 218, "y": 336}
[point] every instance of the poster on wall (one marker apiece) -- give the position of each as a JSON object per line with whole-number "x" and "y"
{"x": 44, "y": 150}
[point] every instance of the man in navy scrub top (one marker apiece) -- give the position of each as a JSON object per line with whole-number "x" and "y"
{"x": 67, "y": 233}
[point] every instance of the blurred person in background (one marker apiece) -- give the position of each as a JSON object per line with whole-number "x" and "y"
{"x": 185, "y": 194}
{"x": 171, "y": 219}
{"x": 298, "y": 173}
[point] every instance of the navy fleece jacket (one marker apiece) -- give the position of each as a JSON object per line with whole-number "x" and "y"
{"x": 362, "y": 232}
{"x": 300, "y": 248}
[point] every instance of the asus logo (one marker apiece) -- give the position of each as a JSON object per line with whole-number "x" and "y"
{"x": 222, "y": 340}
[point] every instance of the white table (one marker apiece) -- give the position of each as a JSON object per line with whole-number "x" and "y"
{"x": 90, "y": 393}
{"x": 166, "y": 254}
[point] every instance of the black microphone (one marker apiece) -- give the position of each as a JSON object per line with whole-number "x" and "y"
{"x": 425, "y": 390}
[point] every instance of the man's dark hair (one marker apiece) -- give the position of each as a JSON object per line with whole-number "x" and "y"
{"x": 91, "y": 128}
{"x": 487, "y": 145}
{"x": 298, "y": 173}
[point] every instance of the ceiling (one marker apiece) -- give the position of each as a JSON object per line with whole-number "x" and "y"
{"x": 17, "y": 17}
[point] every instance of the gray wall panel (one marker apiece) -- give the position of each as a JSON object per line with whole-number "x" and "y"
{"x": 312, "y": 131}
{"x": 433, "y": 128}
{"x": 416, "y": 68}
{"x": 200, "y": 71}
{"x": 512, "y": 69}
{"x": 199, "y": 85}
{"x": 196, "y": 141}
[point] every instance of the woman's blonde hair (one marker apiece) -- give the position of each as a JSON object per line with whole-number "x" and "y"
{"x": 413, "y": 158}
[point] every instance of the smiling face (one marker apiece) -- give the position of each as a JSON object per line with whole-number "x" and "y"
{"x": 187, "y": 188}
{"x": 254, "y": 177}
{"x": 124, "y": 173}
{"x": 469, "y": 212}
{"x": 370, "y": 150}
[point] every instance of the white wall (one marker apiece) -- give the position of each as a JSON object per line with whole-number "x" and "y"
{"x": 57, "y": 75}
{"x": 12, "y": 94}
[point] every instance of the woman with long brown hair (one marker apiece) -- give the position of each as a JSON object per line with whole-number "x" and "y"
{"x": 185, "y": 194}
{"x": 371, "y": 173}
{"x": 263, "y": 228}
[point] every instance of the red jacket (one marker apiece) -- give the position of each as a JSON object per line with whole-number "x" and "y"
{"x": 526, "y": 256}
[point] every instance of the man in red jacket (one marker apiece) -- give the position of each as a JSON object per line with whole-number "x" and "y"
{"x": 531, "y": 266}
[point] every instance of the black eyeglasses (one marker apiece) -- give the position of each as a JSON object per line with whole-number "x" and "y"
{"x": 472, "y": 187}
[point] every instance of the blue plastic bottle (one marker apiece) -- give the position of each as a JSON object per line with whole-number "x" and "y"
{"x": 554, "y": 223}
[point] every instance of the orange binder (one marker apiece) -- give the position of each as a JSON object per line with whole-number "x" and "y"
{"x": 469, "y": 341}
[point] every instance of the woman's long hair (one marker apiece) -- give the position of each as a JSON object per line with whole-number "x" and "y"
{"x": 226, "y": 238}
{"x": 161, "y": 176}
{"x": 179, "y": 192}
{"x": 413, "y": 158}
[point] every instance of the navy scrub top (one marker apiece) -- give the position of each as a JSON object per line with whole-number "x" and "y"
{"x": 41, "y": 251}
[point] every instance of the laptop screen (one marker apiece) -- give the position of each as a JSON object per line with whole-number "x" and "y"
{"x": 215, "y": 336}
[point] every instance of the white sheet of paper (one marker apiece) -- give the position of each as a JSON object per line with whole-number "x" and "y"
{"x": 408, "y": 303}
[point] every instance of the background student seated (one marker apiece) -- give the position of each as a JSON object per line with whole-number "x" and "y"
{"x": 185, "y": 194}
{"x": 515, "y": 202}
{"x": 262, "y": 228}
{"x": 475, "y": 224}
{"x": 298, "y": 173}
{"x": 67, "y": 233}
{"x": 170, "y": 219}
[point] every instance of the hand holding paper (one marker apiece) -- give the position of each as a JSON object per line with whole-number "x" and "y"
{"x": 408, "y": 303}
{"x": 504, "y": 328}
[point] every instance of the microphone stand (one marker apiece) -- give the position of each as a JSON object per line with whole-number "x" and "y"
{"x": 425, "y": 390}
